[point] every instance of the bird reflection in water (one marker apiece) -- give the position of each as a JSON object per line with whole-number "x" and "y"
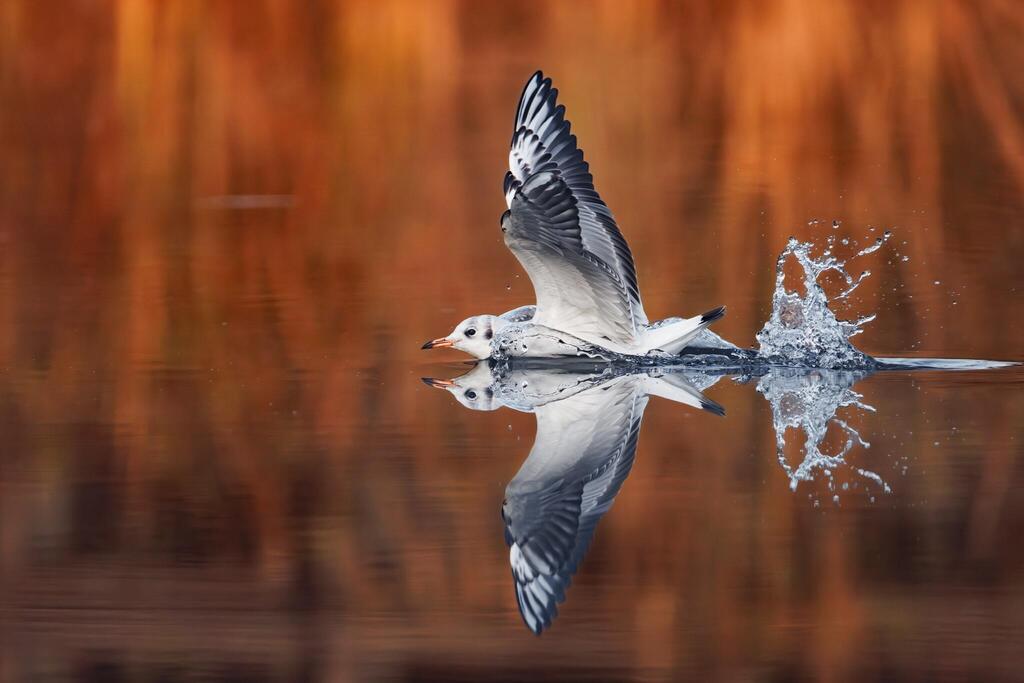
{"x": 588, "y": 423}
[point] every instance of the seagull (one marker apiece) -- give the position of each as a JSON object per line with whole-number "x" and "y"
{"x": 582, "y": 271}
{"x": 588, "y": 424}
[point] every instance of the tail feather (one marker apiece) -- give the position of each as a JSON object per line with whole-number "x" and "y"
{"x": 675, "y": 388}
{"x": 712, "y": 315}
{"x": 673, "y": 337}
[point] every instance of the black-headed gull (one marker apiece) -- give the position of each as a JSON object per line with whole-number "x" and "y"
{"x": 588, "y": 299}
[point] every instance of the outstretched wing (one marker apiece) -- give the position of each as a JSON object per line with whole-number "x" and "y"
{"x": 560, "y": 229}
{"x": 583, "y": 452}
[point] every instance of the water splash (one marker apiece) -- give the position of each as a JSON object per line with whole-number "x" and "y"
{"x": 803, "y": 330}
{"x": 809, "y": 402}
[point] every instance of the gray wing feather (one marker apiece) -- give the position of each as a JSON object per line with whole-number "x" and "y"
{"x": 519, "y": 315}
{"x": 546, "y": 169}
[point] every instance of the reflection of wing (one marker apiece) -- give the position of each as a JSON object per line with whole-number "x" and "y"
{"x": 583, "y": 452}
{"x": 560, "y": 229}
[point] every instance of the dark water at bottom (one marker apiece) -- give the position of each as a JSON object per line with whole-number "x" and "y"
{"x": 384, "y": 558}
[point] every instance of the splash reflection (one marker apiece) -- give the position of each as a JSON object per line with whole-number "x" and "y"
{"x": 809, "y": 401}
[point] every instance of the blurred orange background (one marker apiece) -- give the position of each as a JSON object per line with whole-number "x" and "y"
{"x": 226, "y": 228}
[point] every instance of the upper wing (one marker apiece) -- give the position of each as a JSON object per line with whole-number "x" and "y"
{"x": 519, "y": 315}
{"x": 560, "y": 229}
{"x": 583, "y": 452}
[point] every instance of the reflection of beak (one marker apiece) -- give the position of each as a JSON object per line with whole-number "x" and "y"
{"x": 438, "y": 343}
{"x": 438, "y": 383}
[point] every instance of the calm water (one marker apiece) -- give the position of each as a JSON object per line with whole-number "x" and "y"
{"x": 226, "y": 231}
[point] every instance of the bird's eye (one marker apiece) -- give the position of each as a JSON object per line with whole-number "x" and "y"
{"x": 470, "y": 394}
{"x": 470, "y": 332}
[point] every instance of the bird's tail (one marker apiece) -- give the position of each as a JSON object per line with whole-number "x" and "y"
{"x": 674, "y": 336}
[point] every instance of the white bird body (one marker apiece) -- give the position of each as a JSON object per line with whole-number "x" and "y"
{"x": 566, "y": 239}
{"x": 531, "y": 339}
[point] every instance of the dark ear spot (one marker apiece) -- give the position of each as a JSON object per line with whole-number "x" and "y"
{"x": 488, "y": 334}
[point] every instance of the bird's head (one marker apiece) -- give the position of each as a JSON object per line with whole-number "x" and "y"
{"x": 474, "y": 390}
{"x": 472, "y": 335}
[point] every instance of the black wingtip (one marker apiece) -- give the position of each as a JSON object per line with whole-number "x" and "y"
{"x": 712, "y": 407}
{"x": 543, "y": 81}
{"x": 712, "y": 315}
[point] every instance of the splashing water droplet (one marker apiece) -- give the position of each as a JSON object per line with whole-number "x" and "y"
{"x": 802, "y": 329}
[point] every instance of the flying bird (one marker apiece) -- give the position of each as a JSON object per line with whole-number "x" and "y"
{"x": 564, "y": 235}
